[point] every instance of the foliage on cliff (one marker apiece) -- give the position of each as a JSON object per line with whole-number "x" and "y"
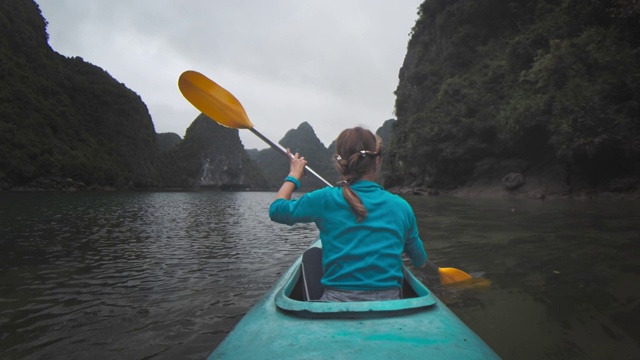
{"x": 210, "y": 156}
{"x": 543, "y": 81}
{"x": 166, "y": 141}
{"x": 63, "y": 117}
{"x": 304, "y": 141}
{"x": 65, "y": 123}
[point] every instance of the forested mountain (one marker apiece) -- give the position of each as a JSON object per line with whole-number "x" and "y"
{"x": 63, "y": 118}
{"x": 67, "y": 124}
{"x": 385, "y": 132}
{"x": 166, "y": 141}
{"x": 526, "y": 96}
{"x": 210, "y": 155}
{"x": 545, "y": 89}
{"x": 304, "y": 141}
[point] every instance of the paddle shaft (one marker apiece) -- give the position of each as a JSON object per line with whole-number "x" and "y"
{"x": 283, "y": 151}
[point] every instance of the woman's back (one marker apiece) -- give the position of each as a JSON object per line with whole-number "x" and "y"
{"x": 364, "y": 229}
{"x": 358, "y": 255}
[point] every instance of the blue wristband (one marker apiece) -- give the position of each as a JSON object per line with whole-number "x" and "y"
{"x": 293, "y": 180}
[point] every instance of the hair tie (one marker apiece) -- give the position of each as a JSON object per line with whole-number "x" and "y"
{"x": 370, "y": 153}
{"x": 345, "y": 182}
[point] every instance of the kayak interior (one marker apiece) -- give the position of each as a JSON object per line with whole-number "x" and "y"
{"x": 415, "y": 297}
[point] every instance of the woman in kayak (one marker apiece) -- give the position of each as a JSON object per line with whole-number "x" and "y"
{"x": 364, "y": 228}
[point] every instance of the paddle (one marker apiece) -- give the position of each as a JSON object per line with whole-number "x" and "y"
{"x": 221, "y": 106}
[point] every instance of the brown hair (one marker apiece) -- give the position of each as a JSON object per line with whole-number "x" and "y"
{"x": 356, "y": 153}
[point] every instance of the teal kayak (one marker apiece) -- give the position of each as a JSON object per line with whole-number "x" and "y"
{"x": 283, "y": 326}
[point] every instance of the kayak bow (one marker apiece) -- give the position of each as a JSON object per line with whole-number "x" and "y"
{"x": 283, "y": 326}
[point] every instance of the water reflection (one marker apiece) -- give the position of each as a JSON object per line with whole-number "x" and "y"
{"x": 167, "y": 275}
{"x": 134, "y": 275}
{"x": 564, "y": 274}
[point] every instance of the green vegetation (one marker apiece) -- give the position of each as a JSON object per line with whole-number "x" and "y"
{"x": 63, "y": 118}
{"x": 535, "y": 84}
{"x": 166, "y": 141}
{"x": 304, "y": 141}
{"x": 210, "y": 155}
{"x": 66, "y": 124}
{"x": 543, "y": 81}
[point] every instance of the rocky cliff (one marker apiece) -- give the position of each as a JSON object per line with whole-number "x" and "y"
{"x": 65, "y": 121}
{"x": 210, "y": 156}
{"x": 527, "y": 97}
{"x": 304, "y": 141}
{"x": 67, "y": 124}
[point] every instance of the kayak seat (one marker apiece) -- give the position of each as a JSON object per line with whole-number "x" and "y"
{"x": 312, "y": 274}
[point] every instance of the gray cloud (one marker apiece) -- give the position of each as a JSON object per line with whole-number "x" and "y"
{"x": 332, "y": 63}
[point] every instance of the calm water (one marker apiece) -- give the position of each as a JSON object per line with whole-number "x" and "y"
{"x": 167, "y": 275}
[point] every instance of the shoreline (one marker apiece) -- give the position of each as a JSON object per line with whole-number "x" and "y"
{"x": 497, "y": 192}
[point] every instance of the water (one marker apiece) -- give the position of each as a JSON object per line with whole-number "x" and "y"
{"x": 166, "y": 275}
{"x": 566, "y": 274}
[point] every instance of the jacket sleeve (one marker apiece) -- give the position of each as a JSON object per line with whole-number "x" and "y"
{"x": 302, "y": 210}
{"x": 413, "y": 245}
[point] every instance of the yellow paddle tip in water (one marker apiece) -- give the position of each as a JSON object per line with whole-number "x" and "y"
{"x": 452, "y": 277}
{"x": 213, "y": 100}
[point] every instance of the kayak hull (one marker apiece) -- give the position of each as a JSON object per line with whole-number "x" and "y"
{"x": 419, "y": 327}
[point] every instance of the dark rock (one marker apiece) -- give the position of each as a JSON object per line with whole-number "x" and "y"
{"x": 512, "y": 181}
{"x": 210, "y": 155}
{"x": 304, "y": 141}
{"x": 167, "y": 140}
{"x": 623, "y": 185}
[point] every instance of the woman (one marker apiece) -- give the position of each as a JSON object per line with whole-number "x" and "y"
{"x": 364, "y": 229}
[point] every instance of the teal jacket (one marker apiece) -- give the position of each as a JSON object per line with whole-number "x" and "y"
{"x": 364, "y": 255}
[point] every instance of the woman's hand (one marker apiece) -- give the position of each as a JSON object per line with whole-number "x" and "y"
{"x": 296, "y": 169}
{"x": 296, "y": 165}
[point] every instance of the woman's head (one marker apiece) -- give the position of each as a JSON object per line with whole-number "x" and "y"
{"x": 357, "y": 152}
{"x": 357, "y": 156}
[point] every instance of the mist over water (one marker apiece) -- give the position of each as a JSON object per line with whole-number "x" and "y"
{"x": 168, "y": 274}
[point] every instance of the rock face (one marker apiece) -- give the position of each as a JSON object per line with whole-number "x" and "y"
{"x": 385, "y": 132}
{"x": 512, "y": 181}
{"x": 320, "y": 159}
{"x": 63, "y": 118}
{"x": 304, "y": 141}
{"x": 210, "y": 156}
{"x": 551, "y": 86}
{"x": 167, "y": 140}
{"x": 66, "y": 124}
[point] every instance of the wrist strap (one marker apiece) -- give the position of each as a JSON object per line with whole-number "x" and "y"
{"x": 293, "y": 180}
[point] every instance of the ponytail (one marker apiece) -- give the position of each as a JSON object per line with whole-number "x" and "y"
{"x": 362, "y": 147}
{"x": 355, "y": 203}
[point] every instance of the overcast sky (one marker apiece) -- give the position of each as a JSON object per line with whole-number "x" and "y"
{"x": 332, "y": 63}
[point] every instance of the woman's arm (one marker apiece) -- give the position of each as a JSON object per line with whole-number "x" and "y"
{"x": 296, "y": 170}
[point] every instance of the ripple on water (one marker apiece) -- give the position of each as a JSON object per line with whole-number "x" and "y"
{"x": 109, "y": 272}
{"x": 138, "y": 275}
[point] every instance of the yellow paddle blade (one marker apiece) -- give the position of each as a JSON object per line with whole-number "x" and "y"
{"x": 213, "y": 100}
{"x": 452, "y": 275}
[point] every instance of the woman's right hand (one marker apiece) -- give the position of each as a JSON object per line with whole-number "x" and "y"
{"x": 296, "y": 165}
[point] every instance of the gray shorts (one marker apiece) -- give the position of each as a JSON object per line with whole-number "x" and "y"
{"x": 359, "y": 295}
